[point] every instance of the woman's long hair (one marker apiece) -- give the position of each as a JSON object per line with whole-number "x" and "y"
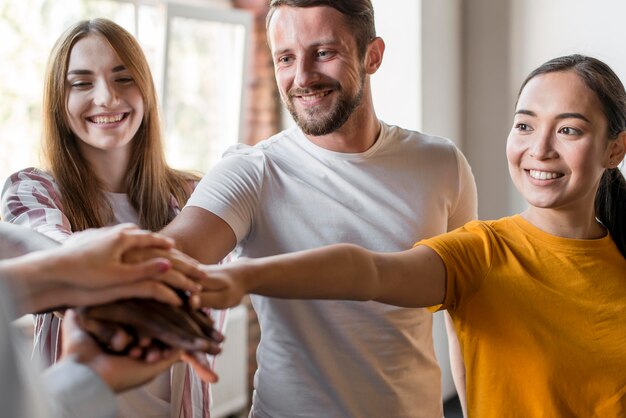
{"x": 150, "y": 183}
{"x": 610, "y": 201}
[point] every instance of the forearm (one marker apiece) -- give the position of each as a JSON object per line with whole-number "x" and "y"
{"x": 32, "y": 279}
{"x": 412, "y": 278}
{"x": 341, "y": 271}
{"x": 17, "y": 240}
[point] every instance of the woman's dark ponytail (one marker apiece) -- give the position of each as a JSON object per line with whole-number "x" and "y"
{"x": 611, "y": 206}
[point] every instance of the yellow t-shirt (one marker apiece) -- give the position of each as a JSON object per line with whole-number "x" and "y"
{"x": 541, "y": 320}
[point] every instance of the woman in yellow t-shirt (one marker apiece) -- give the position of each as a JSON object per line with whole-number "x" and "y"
{"x": 538, "y": 299}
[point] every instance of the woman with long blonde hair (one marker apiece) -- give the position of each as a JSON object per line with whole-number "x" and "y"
{"x": 104, "y": 165}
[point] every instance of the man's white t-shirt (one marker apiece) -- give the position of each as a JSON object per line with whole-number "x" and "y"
{"x": 341, "y": 358}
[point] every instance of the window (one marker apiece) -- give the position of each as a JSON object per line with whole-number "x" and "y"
{"x": 203, "y": 85}
{"x": 197, "y": 55}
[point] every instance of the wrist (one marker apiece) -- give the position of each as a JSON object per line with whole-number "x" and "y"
{"x": 261, "y": 275}
{"x": 48, "y": 268}
{"x": 30, "y": 278}
{"x": 245, "y": 273}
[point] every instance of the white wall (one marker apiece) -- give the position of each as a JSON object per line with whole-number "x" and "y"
{"x": 396, "y": 86}
{"x": 487, "y": 101}
{"x": 419, "y": 84}
{"x": 441, "y": 61}
{"x": 546, "y": 29}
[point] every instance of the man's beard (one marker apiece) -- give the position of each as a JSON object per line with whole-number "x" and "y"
{"x": 315, "y": 122}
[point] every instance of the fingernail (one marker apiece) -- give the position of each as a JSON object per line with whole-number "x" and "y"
{"x": 164, "y": 266}
{"x": 194, "y": 301}
{"x": 217, "y": 336}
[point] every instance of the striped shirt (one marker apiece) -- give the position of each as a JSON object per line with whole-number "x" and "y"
{"x": 31, "y": 198}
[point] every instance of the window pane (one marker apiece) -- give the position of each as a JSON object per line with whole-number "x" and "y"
{"x": 150, "y": 33}
{"x": 204, "y": 81}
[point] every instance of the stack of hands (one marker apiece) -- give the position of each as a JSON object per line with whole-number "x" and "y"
{"x": 136, "y": 303}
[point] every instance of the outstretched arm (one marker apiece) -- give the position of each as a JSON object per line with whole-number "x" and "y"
{"x": 17, "y": 240}
{"x": 412, "y": 278}
{"x": 87, "y": 271}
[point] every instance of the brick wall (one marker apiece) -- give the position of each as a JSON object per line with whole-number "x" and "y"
{"x": 262, "y": 98}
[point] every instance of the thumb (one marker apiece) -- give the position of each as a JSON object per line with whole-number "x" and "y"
{"x": 219, "y": 299}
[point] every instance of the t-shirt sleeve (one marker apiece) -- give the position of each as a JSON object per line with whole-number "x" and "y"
{"x": 30, "y": 198}
{"x": 465, "y": 207}
{"x": 231, "y": 189}
{"x": 467, "y": 255}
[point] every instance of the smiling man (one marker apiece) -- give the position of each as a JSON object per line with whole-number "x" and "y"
{"x": 341, "y": 175}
